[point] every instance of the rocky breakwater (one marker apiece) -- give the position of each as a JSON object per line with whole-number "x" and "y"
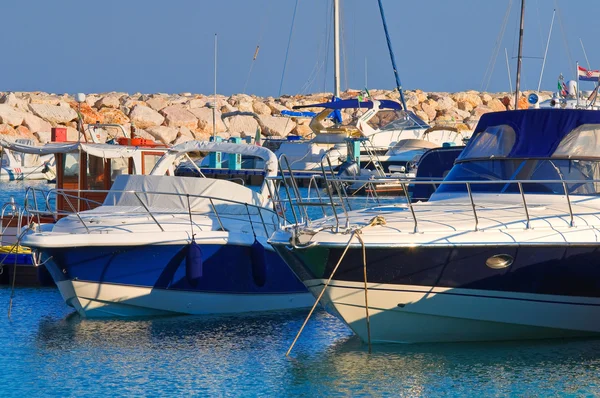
{"x": 172, "y": 119}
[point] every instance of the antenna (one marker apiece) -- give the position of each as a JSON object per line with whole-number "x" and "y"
{"x": 215, "y": 92}
{"x": 508, "y": 69}
{"x": 585, "y": 54}
{"x": 336, "y": 48}
{"x": 520, "y": 56}
{"x": 393, "y": 58}
{"x": 546, "y": 52}
{"x": 366, "y": 73}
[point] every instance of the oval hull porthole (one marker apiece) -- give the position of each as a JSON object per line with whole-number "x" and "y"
{"x": 499, "y": 261}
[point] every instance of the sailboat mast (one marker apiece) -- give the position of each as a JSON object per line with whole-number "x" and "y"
{"x": 336, "y": 48}
{"x": 393, "y": 58}
{"x": 520, "y": 56}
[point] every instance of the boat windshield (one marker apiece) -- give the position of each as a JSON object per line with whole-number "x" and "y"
{"x": 575, "y": 164}
{"x": 386, "y": 120}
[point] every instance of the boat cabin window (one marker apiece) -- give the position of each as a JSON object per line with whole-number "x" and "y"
{"x": 496, "y": 141}
{"x": 149, "y": 160}
{"x": 118, "y": 166}
{"x": 546, "y": 176}
{"x": 95, "y": 173}
{"x": 390, "y": 119}
{"x": 70, "y": 167}
{"x": 584, "y": 141}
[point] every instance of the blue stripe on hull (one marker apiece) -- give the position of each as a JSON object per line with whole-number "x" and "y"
{"x": 561, "y": 270}
{"x": 225, "y": 269}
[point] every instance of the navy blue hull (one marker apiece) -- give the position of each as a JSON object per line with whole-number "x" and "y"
{"x": 224, "y": 269}
{"x": 565, "y": 271}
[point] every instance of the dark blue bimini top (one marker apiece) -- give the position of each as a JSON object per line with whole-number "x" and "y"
{"x": 538, "y": 131}
{"x": 353, "y": 103}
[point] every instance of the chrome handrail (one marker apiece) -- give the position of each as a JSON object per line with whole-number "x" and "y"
{"x": 405, "y": 182}
{"x": 147, "y": 210}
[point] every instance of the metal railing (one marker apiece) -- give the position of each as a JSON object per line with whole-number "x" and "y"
{"x": 268, "y": 220}
{"x": 335, "y": 201}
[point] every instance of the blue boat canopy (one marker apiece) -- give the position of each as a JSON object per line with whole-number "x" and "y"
{"x": 353, "y": 103}
{"x": 298, "y": 114}
{"x": 538, "y": 132}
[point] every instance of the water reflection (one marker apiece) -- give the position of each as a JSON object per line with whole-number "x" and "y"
{"x": 245, "y": 356}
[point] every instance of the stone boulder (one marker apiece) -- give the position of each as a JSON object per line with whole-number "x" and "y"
{"x": 157, "y": 103}
{"x": 43, "y": 136}
{"x": 108, "y": 101}
{"x": 53, "y": 114}
{"x": 36, "y": 124}
{"x": 464, "y": 106}
{"x": 24, "y": 132}
{"x": 496, "y": 105}
{"x": 421, "y": 96}
{"x": 423, "y": 115}
{"x": 111, "y": 115}
{"x": 205, "y": 120}
{"x": 302, "y": 130}
{"x": 445, "y": 103}
{"x": 163, "y": 133}
{"x": 471, "y": 97}
{"x": 241, "y": 124}
{"x": 480, "y": 110}
{"x": 12, "y": 100}
{"x": 260, "y": 108}
{"x": 196, "y": 103}
{"x": 90, "y": 115}
{"x": 276, "y": 108}
{"x": 7, "y": 130}
{"x": 10, "y": 115}
{"x": 145, "y": 117}
{"x": 411, "y": 99}
{"x": 429, "y": 107}
{"x": 486, "y": 98}
{"x": 43, "y": 98}
{"x": 185, "y": 132}
{"x": 178, "y": 116}
{"x": 272, "y": 125}
{"x": 144, "y": 134}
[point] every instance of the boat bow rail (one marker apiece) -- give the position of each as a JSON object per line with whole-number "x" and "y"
{"x": 522, "y": 206}
{"x": 132, "y": 204}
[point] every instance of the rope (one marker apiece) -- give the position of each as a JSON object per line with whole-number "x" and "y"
{"x": 565, "y": 42}
{"x": 287, "y": 51}
{"x": 14, "y": 276}
{"x": 320, "y": 295}
{"x": 190, "y": 214}
{"x": 364, "y": 251}
{"x": 263, "y": 25}
{"x": 378, "y": 220}
{"x": 489, "y": 71}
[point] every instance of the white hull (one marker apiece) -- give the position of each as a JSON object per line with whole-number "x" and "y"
{"x": 416, "y": 314}
{"x": 34, "y": 173}
{"x": 105, "y": 300}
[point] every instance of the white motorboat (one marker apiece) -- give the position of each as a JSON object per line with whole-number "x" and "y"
{"x": 379, "y": 123}
{"x": 17, "y": 166}
{"x": 506, "y": 248}
{"x": 163, "y": 245}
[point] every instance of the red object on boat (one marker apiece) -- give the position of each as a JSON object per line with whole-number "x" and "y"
{"x": 136, "y": 142}
{"x": 58, "y": 134}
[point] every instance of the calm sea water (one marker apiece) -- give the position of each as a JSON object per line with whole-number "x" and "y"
{"x": 48, "y": 350}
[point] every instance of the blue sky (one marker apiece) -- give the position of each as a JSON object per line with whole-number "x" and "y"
{"x": 158, "y": 46}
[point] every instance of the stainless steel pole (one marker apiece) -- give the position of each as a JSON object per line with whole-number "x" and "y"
{"x": 336, "y": 48}
{"x": 520, "y": 56}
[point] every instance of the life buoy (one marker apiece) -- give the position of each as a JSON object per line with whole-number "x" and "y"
{"x": 137, "y": 141}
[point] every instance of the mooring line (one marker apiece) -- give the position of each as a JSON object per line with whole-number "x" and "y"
{"x": 321, "y": 294}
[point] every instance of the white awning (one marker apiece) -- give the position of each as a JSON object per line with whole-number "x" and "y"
{"x": 106, "y": 151}
{"x": 204, "y": 146}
